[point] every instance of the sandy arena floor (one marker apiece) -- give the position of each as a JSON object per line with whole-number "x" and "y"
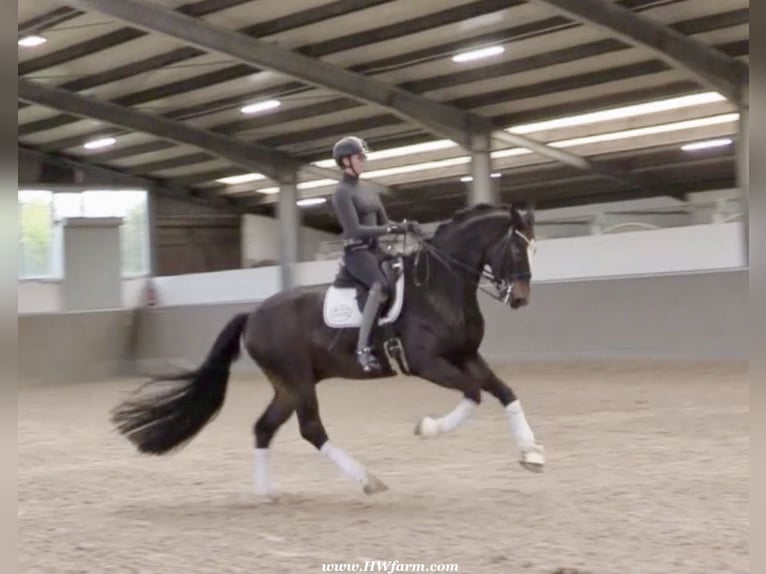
{"x": 647, "y": 473}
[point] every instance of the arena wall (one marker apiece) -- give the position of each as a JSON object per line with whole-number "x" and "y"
{"x": 686, "y": 316}
{"x": 670, "y": 293}
{"x": 76, "y": 347}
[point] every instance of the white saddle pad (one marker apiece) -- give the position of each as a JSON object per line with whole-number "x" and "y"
{"x": 341, "y": 309}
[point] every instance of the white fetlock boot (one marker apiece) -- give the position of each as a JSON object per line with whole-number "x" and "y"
{"x": 532, "y": 454}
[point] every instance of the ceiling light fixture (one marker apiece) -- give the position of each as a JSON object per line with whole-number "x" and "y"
{"x": 32, "y": 41}
{"x": 649, "y": 130}
{"x": 100, "y": 143}
{"x": 469, "y": 178}
{"x": 398, "y": 151}
{"x": 309, "y": 201}
{"x": 478, "y": 54}
{"x": 620, "y": 113}
{"x": 243, "y": 178}
{"x": 260, "y": 107}
{"x": 416, "y": 167}
{"x": 722, "y": 142}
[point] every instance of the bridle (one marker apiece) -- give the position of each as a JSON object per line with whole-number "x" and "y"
{"x": 503, "y": 285}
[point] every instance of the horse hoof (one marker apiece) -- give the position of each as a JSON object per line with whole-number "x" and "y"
{"x": 428, "y": 427}
{"x": 374, "y": 485}
{"x": 533, "y": 459}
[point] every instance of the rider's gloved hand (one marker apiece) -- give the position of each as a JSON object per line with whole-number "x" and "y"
{"x": 397, "y": 228}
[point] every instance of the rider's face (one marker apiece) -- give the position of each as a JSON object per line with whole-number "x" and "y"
{"x": 357, "y": 162}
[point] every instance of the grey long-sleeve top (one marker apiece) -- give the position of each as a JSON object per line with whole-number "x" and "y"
{"x": 359, "y": 210}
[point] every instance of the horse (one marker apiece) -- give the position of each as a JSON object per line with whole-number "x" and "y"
{"x": 439, "y": 327}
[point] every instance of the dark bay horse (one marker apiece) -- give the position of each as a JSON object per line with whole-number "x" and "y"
{"x": 440, "y": 327}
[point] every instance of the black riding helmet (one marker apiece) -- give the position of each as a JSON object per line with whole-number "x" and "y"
{"x": 348, "y": 146}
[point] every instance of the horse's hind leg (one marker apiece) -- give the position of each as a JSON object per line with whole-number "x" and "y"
{"x": 275, "y": 415}
{"x": 314, "y": 432}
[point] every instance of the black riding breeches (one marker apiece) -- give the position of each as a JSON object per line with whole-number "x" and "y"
{"x": 364, "y": 265}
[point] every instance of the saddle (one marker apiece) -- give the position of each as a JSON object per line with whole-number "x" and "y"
{"x": 344, "y": 303}
{"x": 345, "y": 298}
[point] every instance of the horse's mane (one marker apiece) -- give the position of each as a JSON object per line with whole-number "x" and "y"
{"x": 463, "y": 215}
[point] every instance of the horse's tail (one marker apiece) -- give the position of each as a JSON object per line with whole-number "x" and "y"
{"x": 169, "y": 418}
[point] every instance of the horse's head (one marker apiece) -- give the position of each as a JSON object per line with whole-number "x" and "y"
{"x": 509, "y": 258}
{"x": 493, "y": 236}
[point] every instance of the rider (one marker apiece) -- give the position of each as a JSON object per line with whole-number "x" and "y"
{"x": 363, "y": 218}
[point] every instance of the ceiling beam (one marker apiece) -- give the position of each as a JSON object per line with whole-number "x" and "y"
{"x": 269, "y": 162}
{"x": 709, "y": 66}
{"x": 444, "y": 120}
{"x": 47, "y": 20}
{"x": 105, "y": 176}
{"x": 249, "y": 156}
{"x": 440, "y": 119}
{"x": 583, "y": 163}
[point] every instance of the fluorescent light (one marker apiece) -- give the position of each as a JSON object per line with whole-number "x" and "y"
{"x": 310, "y": 201}
{"x": 316, "y": 183}
{"x": 243, "y": 178}
{"x": 478, "y": 54}
{"x": 509, "y": 152}
{"x": 619, "y": 113}
{"x": 32, "y": 41}
{"x": 707, "y": 144}
{"x": 303, "y": 185}
{"x": 260, "y": 106}
{"x": 411, "y": 149}
{"x": 468, "y": 178}
{"x": 398, "y": 151}
{"x": 417, "y": 167}
{"x": 97, "y": 144}
{"x": 649, "y": 130}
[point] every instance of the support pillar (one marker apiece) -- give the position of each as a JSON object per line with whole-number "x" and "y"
{"x": 482, "y": 188}
{"x": 743, "y": 175}
{"x": 288, "y": 216}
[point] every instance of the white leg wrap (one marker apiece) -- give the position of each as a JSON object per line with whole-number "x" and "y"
{"x": 345, "y": 462}
{"x": 262, "y": 471}
{"x": 457, "y": 416}
{"x": 524, "y": 436}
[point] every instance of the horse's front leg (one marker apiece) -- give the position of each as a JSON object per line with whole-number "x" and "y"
{"x": 532, "y": 456}
{"x": 446, "y": 374}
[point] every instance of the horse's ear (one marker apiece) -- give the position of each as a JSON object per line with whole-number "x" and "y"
{"x": 521, "y": 214}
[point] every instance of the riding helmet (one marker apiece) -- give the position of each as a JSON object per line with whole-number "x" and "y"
{"x": 347, "y": 146}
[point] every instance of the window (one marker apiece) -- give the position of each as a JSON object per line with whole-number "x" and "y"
{"x": 40, "y": 210}
{"x": 35, "y": 234}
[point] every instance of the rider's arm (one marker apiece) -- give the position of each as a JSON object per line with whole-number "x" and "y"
{"x": 382, "y": 215}
{"x": 349, "y": 220}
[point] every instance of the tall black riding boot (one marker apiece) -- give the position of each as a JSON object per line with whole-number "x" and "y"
{"x": 369, "y": 316}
